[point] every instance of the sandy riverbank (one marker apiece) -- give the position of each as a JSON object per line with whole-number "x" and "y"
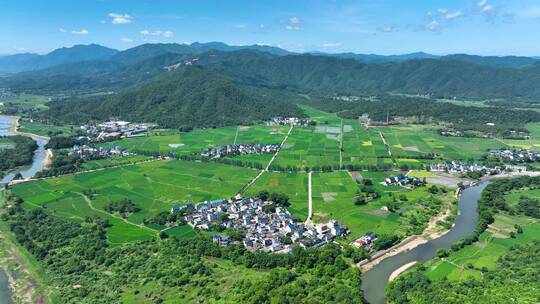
{"x": 401, "y": 270}
{"x": 410, "y": 242}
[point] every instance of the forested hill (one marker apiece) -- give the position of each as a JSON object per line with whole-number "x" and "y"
{"x": 326, "y": 75}
{"x": 317, "y": 75}
{"x": 188, "y": 97}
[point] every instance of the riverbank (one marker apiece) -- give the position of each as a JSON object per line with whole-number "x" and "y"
{"x": 21, "y": 270}
{"x": 401, "y": 270}
{"x": 410, "y": 242}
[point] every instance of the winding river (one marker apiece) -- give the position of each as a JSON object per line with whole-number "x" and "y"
{"x": 7, "y": 123}
{"x": 375, "y": 280}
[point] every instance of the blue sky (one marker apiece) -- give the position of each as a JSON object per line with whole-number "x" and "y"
{"x": 486, "y": 27}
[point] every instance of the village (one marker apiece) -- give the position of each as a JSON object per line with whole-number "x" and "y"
{"x": 522, "y": 156}
{"x": 116, "y": 129}
{"x": 457, "y": 167}
{"x": 239, "y": 149}
{"x": 267, "y": 227}
{"x": 87, "y": 153}
{"x": 292, "y": 121}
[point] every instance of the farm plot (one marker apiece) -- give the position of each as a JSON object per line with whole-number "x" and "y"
{"x": 413, "y": 141}
{"x": 295, "y": 185}
{"x": 311, "y": 147}
{"x": 154, "y": 187}
{"x": 495, "y": 242}
{"x": 334, "y": 195}
{"x": 194, "y": 142}
{"x": 362, "y": 146}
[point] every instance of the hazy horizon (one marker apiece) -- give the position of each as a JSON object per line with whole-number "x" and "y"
{"x": 479, "y": 27}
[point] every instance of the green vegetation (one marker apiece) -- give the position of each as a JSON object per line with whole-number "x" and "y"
{"x": 43, "y": 129}
{"x": 187, "y": 98}
{"x": 23, "y": 104}
{"x": 16, "y": 151}
{"x": 81, "y": 266}
{"x": 496, "y": 259}
{"x": 153, "y": 187}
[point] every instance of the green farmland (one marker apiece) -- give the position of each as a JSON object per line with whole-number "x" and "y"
{"x": 494, "y": 243}
{"x": 153, "y": 187}
{"x": 197, "y": 140}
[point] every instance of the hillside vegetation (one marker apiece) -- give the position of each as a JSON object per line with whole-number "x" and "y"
{"x": 187, "y": 97}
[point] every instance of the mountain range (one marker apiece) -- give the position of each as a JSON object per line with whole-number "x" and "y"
{"x": 32, "y": 62}
{"x": 178, "y": 85}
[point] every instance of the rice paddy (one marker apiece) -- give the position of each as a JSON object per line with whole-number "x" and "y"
{"x": 154, "y": 187}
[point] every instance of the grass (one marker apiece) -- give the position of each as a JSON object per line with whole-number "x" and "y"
{"x": 295, "y": 185}
{"x": 25, "y": 102}
{"x": 154, "y": 187}
{"x": 417, "y": 140}
{"x": 113, "y": 161}
{"x": 494, "y": 243}
{"x": 333, "y": 198}
{"x": 197, "y": 140}
{"x": 42, "y": 129}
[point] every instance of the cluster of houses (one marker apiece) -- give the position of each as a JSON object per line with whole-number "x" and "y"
{"x": 89, "y": 153}
{"x": 116, "y": 129}
{"x": 6, "y": 93}
{"x": 521, "y": 156}
{"x": 402, "y": 180}
{"x": 294, "y": 121}
{"x": 239, "y": 149}
{"x": 366, "y": 241}
{"x": 456, "y": 166}
{"x": 267, "y": 228}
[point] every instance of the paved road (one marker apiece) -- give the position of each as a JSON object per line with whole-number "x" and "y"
{"x": 269, "y": 163}
{"x": 310, "y": 200}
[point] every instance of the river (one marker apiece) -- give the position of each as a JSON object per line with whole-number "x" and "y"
{"x": 375, "y": 280}
{"x": 6, "y": 125}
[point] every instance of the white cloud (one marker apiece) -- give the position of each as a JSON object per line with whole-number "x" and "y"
{"x": 80, "y": 32}
{"x": 166, "y": 34}
{"x": 442, "y": 11}
{"x": 294, "y": 20}
{"x": 126, "y": 40}
{"x": 62, "y": 30}
{"x": 294, "y": 24}
{"x": 120, "y": 18}
{"x": 485, "y": 7}
{"x": 453, "y": 15}
{"x": 331, "y": 45}
{"x": 433, "y": 25}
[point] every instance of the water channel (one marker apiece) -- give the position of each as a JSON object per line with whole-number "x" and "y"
{"x": 375, "y": 280}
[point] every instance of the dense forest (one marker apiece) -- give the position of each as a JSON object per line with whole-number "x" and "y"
{"x": 21, "y": 154}
{"x": 82, "y": 267}
{"x": 452, "y": 76}
{"x": 190, "y": 97}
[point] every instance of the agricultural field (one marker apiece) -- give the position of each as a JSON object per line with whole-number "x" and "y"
{"x": 195, "y": 141}
{"x": 25, "y": 102}
{"x": 494, "y": 243}
{"x": 530, "y": 144}
{"x": 311, "y": 147}
{"x": 417, "y": 140}
{"x": 363, "y": 146}
{"x": 333, "y": 198}
{"x": 154, "y": 187}
{"x": 42, "y": 129}
{"x": 113, "y": 161}
{"x": 295, "y": 185}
